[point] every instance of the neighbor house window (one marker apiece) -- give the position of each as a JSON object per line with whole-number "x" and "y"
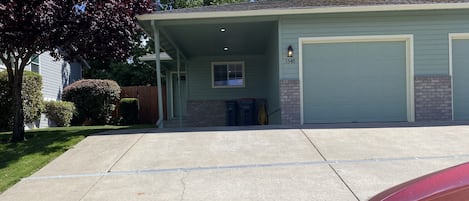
{"x": 227, "y": 74}
{"x": 35, "y": 63}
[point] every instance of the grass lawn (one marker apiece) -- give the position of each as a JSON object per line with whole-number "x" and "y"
{"x": 23, "y": 159}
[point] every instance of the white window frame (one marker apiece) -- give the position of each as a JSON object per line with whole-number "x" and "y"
{"x": 228, "y": 63}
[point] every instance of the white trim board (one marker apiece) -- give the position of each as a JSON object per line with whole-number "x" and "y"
{"x": 305, "y": 10}
{"x": 451, "y": 37}
{"x": 407, "y": 38}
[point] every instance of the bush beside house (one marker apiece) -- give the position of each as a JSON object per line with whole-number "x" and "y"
{"x": 60, "y": 112}
{"x": 32, "y": 99}
{"x": 94, "y": 100}
{"x": 128, "y": 108}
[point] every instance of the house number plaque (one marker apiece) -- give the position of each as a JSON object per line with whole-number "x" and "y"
{"x": 290, "y": 60}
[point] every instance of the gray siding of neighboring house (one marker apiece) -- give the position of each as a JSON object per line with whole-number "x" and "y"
{"x": 56, "y": 75}
{"x": 430, "y": 30}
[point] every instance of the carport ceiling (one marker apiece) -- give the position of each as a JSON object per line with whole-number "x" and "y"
{"x": 209, "y": 39}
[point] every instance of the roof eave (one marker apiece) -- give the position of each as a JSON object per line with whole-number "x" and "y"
{"x": 295, "y": 11}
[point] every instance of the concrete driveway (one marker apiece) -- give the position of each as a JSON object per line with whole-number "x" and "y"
{"x": 320, "y": 162}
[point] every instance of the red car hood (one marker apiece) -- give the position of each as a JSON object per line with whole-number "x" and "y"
{"x": 448, "y": 184}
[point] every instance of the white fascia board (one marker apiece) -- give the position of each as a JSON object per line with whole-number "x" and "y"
{"x": 293, "y": 11}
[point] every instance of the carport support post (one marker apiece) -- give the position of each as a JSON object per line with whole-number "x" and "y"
{"x": 156, "y": 38}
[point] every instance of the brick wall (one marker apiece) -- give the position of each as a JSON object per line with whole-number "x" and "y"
{"x": 205, "y": 113}
{"x": 290, "y": 101}
{"x": 433, "y": 98}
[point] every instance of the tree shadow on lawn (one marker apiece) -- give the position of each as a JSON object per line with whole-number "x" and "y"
{"x": 43, "y": 142}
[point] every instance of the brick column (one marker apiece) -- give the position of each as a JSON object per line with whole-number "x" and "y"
{"x": 290, "y": 101}
{"x": 433, "y": 100}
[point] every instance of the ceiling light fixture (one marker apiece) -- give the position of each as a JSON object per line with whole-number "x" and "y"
{"x": 225, "y": 49}
{"x": 222, "y": 29}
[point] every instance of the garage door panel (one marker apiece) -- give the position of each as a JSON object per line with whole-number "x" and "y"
{"x": 461, "y": 79}
{"x": 354, "y": 82}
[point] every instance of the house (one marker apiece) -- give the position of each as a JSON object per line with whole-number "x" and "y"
{"x": 56, "y": 75}
{"x": 322, "y": 61}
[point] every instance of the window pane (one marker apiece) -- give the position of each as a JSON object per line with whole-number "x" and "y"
{"x": 35, "y": 68}
{"x": 220, "y": 75}
{"x": 236, "y": 75}
{"x": 35, "y": 58}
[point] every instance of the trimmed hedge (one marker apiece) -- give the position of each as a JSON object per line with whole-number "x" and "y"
{"x": 94, "y": 100}
{"x": 33, "y": 103}
{"x": 32, "y": 99}
{"x": 129, "y": 110}
{"x": 60, "y": 112}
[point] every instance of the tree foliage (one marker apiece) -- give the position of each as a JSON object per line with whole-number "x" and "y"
{"x": 105, "y": 30}
{"x": 134, "y": 73}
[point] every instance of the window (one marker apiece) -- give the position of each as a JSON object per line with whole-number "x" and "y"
{"x": 227, "y": 74}
{"x": 35, "y": 63}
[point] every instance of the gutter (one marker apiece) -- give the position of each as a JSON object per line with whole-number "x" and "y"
{"x": 302, "y": 10}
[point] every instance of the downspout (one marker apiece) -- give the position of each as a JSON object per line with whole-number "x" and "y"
{"x": 84, "y": 62}
{"x": 156, "y": 38}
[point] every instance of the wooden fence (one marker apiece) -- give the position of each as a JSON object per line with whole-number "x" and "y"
{"x": 148, "y": 102}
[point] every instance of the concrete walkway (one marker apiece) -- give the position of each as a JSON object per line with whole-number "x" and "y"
{"x": 256, "y": 163}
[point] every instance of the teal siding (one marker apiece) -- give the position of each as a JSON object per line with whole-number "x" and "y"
{"x": 354, "y": 82}
{"x": 430, "y": 30}
{"x": 200, "y": 79}
{"x": 461, "y": 79}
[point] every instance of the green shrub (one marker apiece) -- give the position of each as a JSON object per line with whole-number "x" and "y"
{"x": 60, "y": 112}
{"x": 5, "y": 103}
{"x": 33, "y": 103}
{"x": 129, "y": 110}
{"x": 32, "y": 99}
{"x": 94, "y": 100}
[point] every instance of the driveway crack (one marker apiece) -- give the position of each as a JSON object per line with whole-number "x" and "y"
{"x": 330, "y": 165}
{"x": 183, "y": 183}
{"x": 123, "y": 154}
{"x": 90, "y": 188}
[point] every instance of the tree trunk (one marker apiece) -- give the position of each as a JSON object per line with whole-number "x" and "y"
{"x": 18, "y": 126}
